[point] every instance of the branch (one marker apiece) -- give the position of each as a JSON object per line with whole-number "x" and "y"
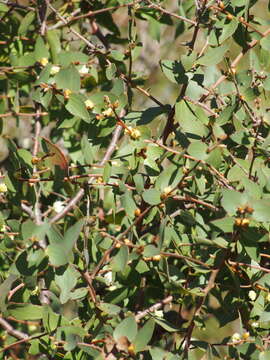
{"x": 23, "y": 340}
{"x": 11, "y": 331}
{"x": 87, "y": 42}
{"x": 234, "y": 64}
{"x": 164, "y": 11}
{"x": 142, "y": 314}
{"x": 80, "y": 193}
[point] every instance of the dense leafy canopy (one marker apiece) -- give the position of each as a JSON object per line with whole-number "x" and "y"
{"x": 135, "y": 192}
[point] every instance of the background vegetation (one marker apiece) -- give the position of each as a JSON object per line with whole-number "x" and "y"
{"x": 135, "y": 193}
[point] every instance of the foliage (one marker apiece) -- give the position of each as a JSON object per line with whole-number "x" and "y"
{"x": 135, "y": 193}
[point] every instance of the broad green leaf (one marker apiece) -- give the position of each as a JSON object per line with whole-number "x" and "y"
{"x": 40, "y": 49}
{"x": 77, "y": 107}
{"x": 174, "y": 71}
{"x": 58, "y": 255}
{"x": 68, "y": 57}
{"x": 198, "y": 150}
{"x": 120, "y": 260}
{"x": 53, "y": 37}
{"x": 5, "y": 287}
{"x": 26, "y": 311}
{"x": 50, "y": 319}
{"x": 111, "y": 71}
{"x": 152, "y": 196}
{"x": 66, "y": 282}
{"x": 213, "y": 56}
{"x": 128, "y": 327}
{"x": 72, "y": 234}
{"x": 144, "y": 335}
{"x": 228, "y": 30}
{"x": 165, "y": 324}
{"x": 26, "y": 22}
{"x": 261, "y": 210}
{"x": 68, "y": 78}
{"x": 232, "y": 199}
{"x": 188, "y": 120}
{"x": 109, "y": 309}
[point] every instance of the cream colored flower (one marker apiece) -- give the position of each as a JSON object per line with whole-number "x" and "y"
{"x": 58, "y": 206}
{"x": 108, "y": 112}
{"x": 252, "y": 295}
{"x": 236, "y": 338}
{"x": 3, "y": 188}
{"x": 44, "y": 61}
{"x": 54, "y": 69}
{"x": 89, "y": 104}
{"x": 83, "y": 70}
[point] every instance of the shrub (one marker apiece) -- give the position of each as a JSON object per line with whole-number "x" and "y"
{"x": 135, "y": 179}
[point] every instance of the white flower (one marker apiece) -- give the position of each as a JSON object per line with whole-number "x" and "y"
{"x": 252, "y": 295}
{"x": 58, "y": 206}
{"x": 54, "y": 69}
{"x": 236, "y": 338}
{"x": 83, "y": 70}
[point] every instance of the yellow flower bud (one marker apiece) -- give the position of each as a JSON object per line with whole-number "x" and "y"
{"x": 67, "y": 93}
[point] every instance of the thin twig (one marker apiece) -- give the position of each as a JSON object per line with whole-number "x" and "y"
{"x": 153, "y": 308}
{"x": 251, "y": 45}
{"x": 11, "y": 331}
{"x": 164, "y": 11}
{"x": 87, "y": 42}
{"x": 23, "y": 340}
{"x": 258, "y": 267}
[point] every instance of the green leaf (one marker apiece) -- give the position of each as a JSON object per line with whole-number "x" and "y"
{"x": 109, "y": 309}
{"x": 68, "y": 78}
{"x": 76, "y": 106}
{"x": 232, "y": 199}
{"x": 174, "y": 71}
{"x": 26, "y": 311}
{"x": 50, "y": 319}
{"x": 68, "y": 57}
{"x": 111, "y": 71}
{"x": 26, "y": 22}
{"x": 152, "y": 196}
{"x": 5, "y": 287}
{"x": 198, "y": 150}
{"x": 72, "y": 234}
{"x": 40, "y": 49}
{"x": 166, "y": 325}
{"x": 144, "y": 336}
{"x": 261, "y": 210}
{"x": 58, "y": 255}
{"x": 128, "y": 328}
{"x": 188, "y": 120}
{"x": 228, "y": 29}
{"x": 66, "y": 282}
{"x": 120, "y": 260}
{"x": 213, "y": 56}
{"x": 53, "y": 38}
